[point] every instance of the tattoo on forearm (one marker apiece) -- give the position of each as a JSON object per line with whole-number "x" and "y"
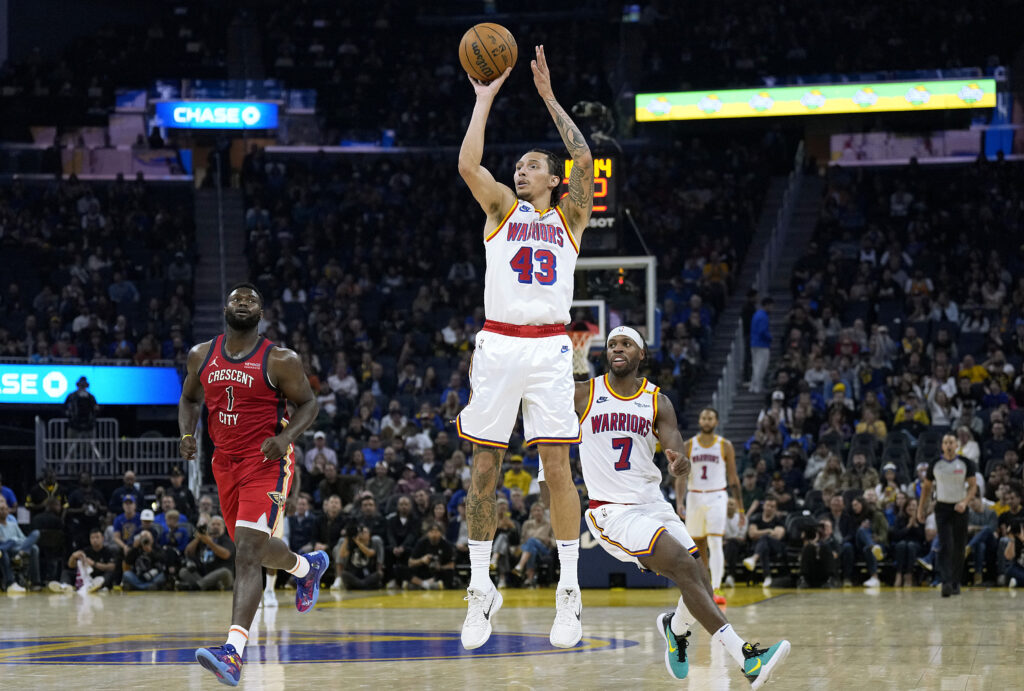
{"x": 481, "y": 513}
{"x": 581, "y": 188}
{"x": 571, "y": 135}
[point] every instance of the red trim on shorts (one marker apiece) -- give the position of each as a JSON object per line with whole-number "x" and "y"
{"x": 594, "y": 503}
{"x": 707, "y": 491}
{"x": 524, "y": 330}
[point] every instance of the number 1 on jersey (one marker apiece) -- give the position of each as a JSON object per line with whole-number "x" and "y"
{"x": 230, "y": 391}
{"x": 624, "y": 445}
{"x": 522, "y": 264}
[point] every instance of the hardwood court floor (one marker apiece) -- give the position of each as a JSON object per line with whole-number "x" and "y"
{"x": 848, "y": 639}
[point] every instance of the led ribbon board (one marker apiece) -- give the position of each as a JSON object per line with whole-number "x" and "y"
{"x": 36, "y": 384}
{"x": 816, "y": 100}
{"x": 217, "y": 115}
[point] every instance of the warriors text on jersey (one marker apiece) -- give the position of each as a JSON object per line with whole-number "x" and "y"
{"x": 617, "y": 451}
{"x": 244, "y": 408}
{"x": 707, "y": 466}
{"x": 531, "y": 257}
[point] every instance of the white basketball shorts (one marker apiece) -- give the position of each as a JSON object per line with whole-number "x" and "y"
{"x": 630, "y": 531}
{"x": 507, "y": 370}
{"x": 705, "y": 513}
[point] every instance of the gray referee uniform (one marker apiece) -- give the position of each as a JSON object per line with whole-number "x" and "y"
{"x": 950, "y": 481}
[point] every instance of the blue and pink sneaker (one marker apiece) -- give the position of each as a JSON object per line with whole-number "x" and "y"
{"x": 307, "y": 589}
{"x": 224, "y": 661}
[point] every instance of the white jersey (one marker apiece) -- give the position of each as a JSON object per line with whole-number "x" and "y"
{"x": 617, "y": 450}
{"x": 707, "y": 466}
{"x": 531, "y": 257}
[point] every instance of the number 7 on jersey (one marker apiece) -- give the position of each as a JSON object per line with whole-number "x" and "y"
{"x": 624, "y": 445}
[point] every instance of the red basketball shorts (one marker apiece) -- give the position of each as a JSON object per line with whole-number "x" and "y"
{"x": 252, "y": 490}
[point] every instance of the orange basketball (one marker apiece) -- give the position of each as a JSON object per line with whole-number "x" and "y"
{"x": 486, "y": 51}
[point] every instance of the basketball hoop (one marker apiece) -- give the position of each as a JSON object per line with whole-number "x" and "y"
{"x": 581, "y": 348}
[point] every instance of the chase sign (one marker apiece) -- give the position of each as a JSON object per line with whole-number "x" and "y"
{"x": 35, "y": 384}
{"x": 217, "y": 115}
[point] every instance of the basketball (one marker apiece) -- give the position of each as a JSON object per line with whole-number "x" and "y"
{"x": 487, "y": 50}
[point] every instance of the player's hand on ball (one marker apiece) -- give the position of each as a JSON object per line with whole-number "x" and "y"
{"x": 489, "y": 88}
{"x": 541, "y": 75}
{"x": 678, "y": 464}
{"x": 274, "y": 448}
{"x": 187, "y": 448}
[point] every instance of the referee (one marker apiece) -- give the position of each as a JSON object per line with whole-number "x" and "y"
{"x": 955, "y": 485}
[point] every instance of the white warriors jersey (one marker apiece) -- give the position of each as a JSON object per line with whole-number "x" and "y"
{"x": 531, "y": 257}
{"x": 707, "y": 466}
{"x": 618, "y": 443}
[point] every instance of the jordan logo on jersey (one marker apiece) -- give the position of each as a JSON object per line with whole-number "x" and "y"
{"x": 213, "y": 362}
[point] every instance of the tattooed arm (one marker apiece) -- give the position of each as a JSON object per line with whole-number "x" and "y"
{"x": 579, "y": 203}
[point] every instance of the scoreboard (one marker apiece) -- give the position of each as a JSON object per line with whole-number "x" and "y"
{"x": 606, "y": 209}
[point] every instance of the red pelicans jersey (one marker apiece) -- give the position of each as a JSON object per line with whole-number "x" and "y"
{"x": 531, "y": 257}
{"x": 617, "y": 451}
{"x": 245, "y": 408}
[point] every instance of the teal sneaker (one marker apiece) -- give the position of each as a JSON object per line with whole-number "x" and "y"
{"x": 675, "y": 647}
{"x": 759, "y": 663}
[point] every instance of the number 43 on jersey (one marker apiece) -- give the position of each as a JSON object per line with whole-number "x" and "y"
{"x": 536, "y": 265}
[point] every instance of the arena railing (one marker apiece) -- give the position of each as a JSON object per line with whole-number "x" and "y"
{"x": 105, "y": 454}
{"x": 728, "y": 380}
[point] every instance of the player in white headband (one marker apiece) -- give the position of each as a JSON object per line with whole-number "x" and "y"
{"x": 624, "y": 418}
{"x": 631, "y": 334}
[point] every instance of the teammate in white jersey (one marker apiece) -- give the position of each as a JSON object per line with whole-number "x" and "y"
{"x": 706, "y": 493}
{"x": 623, "y": 417}
{"x": 523, "y": 354}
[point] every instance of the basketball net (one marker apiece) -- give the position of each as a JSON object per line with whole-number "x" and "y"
{"x": 581, "y": 348}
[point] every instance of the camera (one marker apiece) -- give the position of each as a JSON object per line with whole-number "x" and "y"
{"x": 201, "y": 529}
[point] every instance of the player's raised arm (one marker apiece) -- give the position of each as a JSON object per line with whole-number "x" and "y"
{"x": 494, "y": 198}
{"x": 286, "y": 373}
{"x": 191, "y": 398}
{"x": 579, "y": 203}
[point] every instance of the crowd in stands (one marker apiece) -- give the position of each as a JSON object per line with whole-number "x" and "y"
{"x": 907, "y": 323}
{"x": 347, "y": 52}
{"x": 100, "y": 273}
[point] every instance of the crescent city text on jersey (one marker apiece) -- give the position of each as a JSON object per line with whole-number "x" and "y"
{"x": 535, "y": 230}
{"x": 620, "y": 422}
{"x": 230, "y": 375}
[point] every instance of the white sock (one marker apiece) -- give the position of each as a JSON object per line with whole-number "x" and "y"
{"x": 480, "y": 564}
{"x": 238, "y": 637}
{"x": 568, "y": 556}
{"x": 716, "y": 559}
{"x": 733, "y": 643}
{"x": 681, "y": 620}
{"x": 301, "y": 568}
{"x": 271, "y": 579}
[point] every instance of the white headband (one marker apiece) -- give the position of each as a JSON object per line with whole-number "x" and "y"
{"x": 629, "y": 333}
